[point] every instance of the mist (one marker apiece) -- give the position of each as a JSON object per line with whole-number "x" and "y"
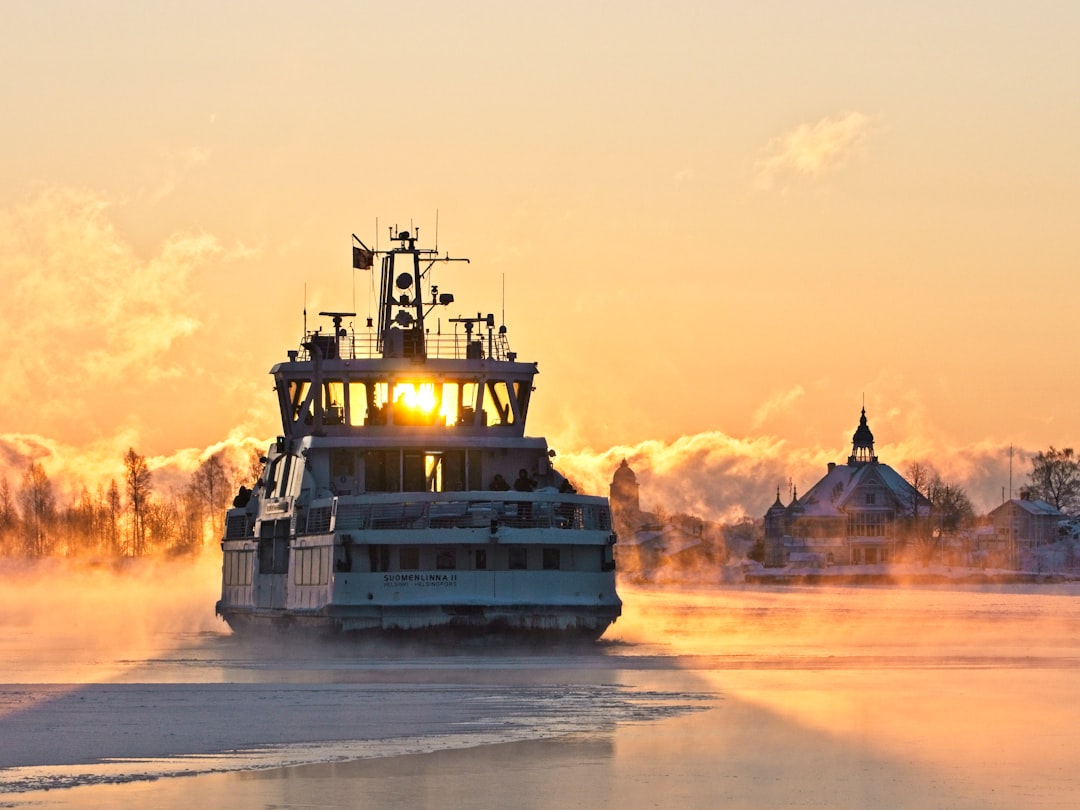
{"x": 722, "y": 478}
{"x": 710, "y": 475}
{"x": 162, "y": 363}
{"x": 94, "y": 620}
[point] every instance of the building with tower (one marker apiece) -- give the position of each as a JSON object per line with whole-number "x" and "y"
{"x": 860, "y": 513}
{"x": 660, "y": 547}
{"x": 624, "y": 495}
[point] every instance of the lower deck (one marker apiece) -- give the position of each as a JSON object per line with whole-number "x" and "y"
{"x": 385, "y": 563}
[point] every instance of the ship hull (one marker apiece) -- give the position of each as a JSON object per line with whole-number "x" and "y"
{"x": 434, "y": 621}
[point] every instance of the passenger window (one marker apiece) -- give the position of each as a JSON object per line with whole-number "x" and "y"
{"x": 446, "y": 559}
{"x": 409, "y": 558}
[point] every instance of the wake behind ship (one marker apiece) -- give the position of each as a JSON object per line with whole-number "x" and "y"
{"x": 403, "y": 493}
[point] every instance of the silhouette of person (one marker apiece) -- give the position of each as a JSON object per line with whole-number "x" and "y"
{"x": 523, "y": 482}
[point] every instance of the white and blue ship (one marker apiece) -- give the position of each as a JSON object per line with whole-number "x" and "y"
{"x": 403, "y": 493}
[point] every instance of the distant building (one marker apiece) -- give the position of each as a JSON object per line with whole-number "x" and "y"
{"x": 1023, "y": 524}
{"x": 655, "y": 546}
{"x": 624, "y": 490}
{"x": 857, "y": 514}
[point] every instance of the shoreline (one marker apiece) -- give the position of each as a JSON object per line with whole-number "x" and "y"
{"x": 904, "y": 575}
{"x": 903, "y": 578}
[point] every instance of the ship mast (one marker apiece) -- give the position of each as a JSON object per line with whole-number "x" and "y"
{"x": 401, "y": 301}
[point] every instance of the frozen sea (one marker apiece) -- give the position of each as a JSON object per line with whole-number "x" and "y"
{"x": 121, "y": 689}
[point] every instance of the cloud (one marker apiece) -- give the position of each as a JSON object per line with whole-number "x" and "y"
{"x": 718, "y": 477}
{"x": 175, "y": 166}
{"x": 778, "y": 404}
{"x": 70, "y": 468}
{"x": 91, "y": 325}
{"x": 810, "y": 150}
{"x": 711, "y": 475}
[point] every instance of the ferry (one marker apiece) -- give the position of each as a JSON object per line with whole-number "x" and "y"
{"x": 403, "y": 494}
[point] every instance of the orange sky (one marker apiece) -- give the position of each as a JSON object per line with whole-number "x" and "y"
{"x": 720, "y": 228}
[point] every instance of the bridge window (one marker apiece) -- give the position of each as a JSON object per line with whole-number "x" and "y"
{"x": 498, "y": 404}
{"x": 300, "y": 400}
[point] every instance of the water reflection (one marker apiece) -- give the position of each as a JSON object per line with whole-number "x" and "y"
{"x": 753, "y": 697}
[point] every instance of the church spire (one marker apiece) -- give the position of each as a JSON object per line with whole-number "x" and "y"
{"x": 862, "y": 444}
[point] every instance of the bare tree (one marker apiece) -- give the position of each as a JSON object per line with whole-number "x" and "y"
{"x": 914, "y": 525}
{"x": 950, "y": 506}
{"x": 190, "y": 520}
{"x": 162, "y": 523}
{"x": 256, "y": 459}
{"x": 211, "y": 482}
{"x": 38, "y": 506}
{"x": 83, "y": 518}
{"x": 111, "y": 509}
{"x": 919, "y": 476}
{"x": 8, "y": 517}
{"x": 1055, "y": 478}
{"x": 138, "y": 482}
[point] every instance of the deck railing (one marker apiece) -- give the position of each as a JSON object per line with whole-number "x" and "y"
{"x": 362, "y": 345}
{"x": 567, "y": 512}
{"x": 373, "y": 513}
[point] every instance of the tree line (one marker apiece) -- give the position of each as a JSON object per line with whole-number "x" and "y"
{"x": 133, "y": 519}
{"x": 126, "y": 519}
{"x": 1054, "y": 478}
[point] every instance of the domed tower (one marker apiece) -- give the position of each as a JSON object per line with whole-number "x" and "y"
{"x": 775, "y": 518}
{"x": 862, "y": 444}
{"x": 624, "y": 490}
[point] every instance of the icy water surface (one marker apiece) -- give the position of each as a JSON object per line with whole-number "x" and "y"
{"x": 735, "y": 697}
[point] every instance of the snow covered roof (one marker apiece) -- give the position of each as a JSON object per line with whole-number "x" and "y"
{"x": 1035, "y": 507}
{"x": 829, "y": 496}
{"x": 671, "y": 539}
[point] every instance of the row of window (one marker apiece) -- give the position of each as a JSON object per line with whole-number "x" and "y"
{"x": 408, "y": 402}
{"x": 447, "y": 558}
{"x": 869, "y": 556}
{"x": 859, "y": 556}
{"x": 868, "y": 524}
{"x": 311, "y": 566}
{"x": 452, "y": 514}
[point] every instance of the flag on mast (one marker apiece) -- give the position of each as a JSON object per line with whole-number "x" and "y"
{"x": 363, "y": 257}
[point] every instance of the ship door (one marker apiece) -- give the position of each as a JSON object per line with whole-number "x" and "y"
{"x": 271, "y": 579}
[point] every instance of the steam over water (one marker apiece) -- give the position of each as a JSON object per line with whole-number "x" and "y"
{"x": 734, "y": 697}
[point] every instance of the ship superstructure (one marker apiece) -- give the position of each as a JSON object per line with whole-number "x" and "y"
{"x": 403, "y": 493}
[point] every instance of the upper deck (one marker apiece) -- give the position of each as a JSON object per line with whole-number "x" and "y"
{"x": 346, "y": 380}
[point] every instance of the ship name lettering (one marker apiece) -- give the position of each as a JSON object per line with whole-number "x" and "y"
{"x": 421, "y": 580}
